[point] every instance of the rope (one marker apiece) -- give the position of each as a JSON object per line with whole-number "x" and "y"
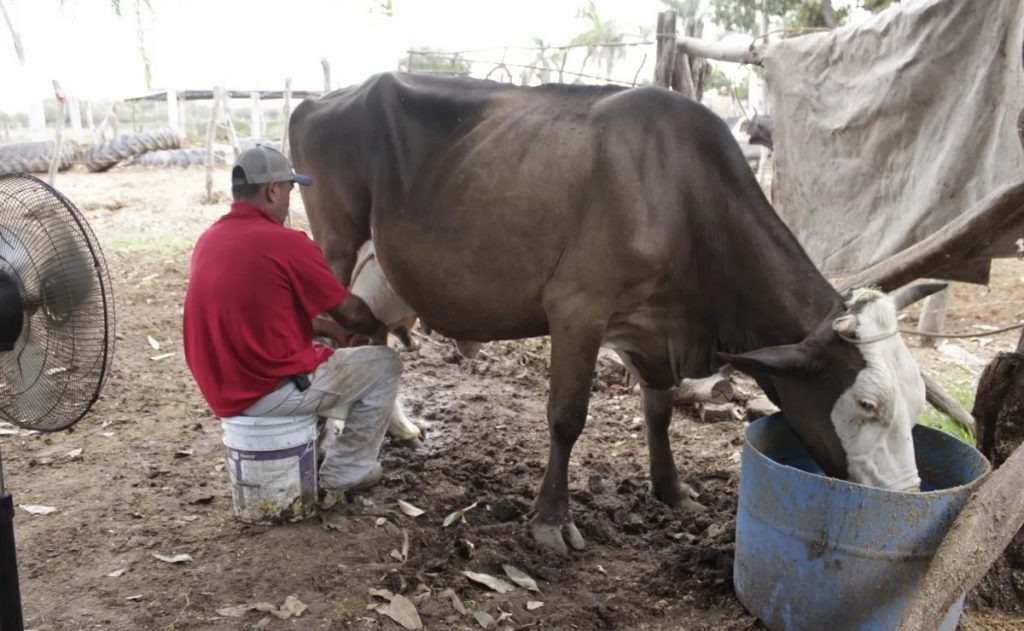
{"x": 955, "y": 336}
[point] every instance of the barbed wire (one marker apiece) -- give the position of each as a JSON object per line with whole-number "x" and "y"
{"x": 504, "y": 65}
{"x": 424, "y": 51}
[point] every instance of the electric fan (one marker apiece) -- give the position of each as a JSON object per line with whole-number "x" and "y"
{"x": 56, "y": 332}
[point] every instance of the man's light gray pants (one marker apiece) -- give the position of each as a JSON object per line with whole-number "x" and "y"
{"x": 363, "y": 379}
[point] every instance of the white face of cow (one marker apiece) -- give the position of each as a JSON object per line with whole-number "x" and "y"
{"x": 874, "y": 417}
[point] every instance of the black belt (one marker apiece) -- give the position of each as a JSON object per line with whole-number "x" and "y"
{"x": 301, "y": 381}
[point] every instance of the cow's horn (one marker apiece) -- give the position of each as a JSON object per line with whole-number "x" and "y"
{"x": 845, "y": 326}
{"x": 912, "y": 293}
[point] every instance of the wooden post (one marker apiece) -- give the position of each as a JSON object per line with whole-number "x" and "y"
{"x": 173, "y": 120}
{"x": 682, "y": 80}
{"x": 75, "y": 113}
{"x": 327, "y": 74}
{"x": 286, "y": 114}
{"x": 90, "y": 122}
{"x": 58, "y": 146}
{"x": 666, "y": 49}
{"x": 115, "y": 123}
{"x": 232, "y": 136}
{"x": 211, "y": 132}
{"x": 255, "y": 117}
{"x": 933, "y": 315}
{"x": 37, "y": 120}
{"x": 183, "y": 115}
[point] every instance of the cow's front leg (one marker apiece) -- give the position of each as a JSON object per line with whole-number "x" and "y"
{"x": 664, "y": 476}
{"x": 573, "y": 356}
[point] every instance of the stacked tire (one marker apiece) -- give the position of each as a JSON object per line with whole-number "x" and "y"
{"x": 181, "y": 158}
{"x": 34, "y": 157}
{"x": 104, "y": 156}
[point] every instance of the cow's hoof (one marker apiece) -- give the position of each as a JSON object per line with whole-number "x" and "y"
{"x": 550, "y": 536}
{"x": 676, "y": 494}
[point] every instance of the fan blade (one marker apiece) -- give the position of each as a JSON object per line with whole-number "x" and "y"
{"x": 66, "y": 282}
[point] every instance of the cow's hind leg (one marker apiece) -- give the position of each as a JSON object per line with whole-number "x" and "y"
{"x": 573, "y": 356}
{"x": 664, "y": 476}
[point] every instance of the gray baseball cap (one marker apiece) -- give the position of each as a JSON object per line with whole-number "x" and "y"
{"x": 263, "y": 164}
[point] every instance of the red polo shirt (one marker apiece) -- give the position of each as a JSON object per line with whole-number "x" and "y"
{"x": 254, "y": 288}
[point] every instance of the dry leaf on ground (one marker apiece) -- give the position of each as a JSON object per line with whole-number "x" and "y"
{"x": 520, "y": 578}
{"x": 489, "y": 581}
{"x": 409, "y": 509}
{"x": 177, "y": 558}
{"x": 403, "y": 611}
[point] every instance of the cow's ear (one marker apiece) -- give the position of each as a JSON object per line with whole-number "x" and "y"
{"x": 780, "y": 361}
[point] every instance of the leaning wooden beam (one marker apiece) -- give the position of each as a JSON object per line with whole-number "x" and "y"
{"x": 740, "y": 54}
{"x": 981, "y": 532}
{"x": 58, "y": 146}
{"x": 211, "y": 133}
{"x": 941, "y": 401}
{"x": 971, "y": 231}
{"x": 286, "y": 115}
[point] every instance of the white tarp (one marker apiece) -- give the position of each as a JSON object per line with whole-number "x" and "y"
{"x": 886, "y": 131}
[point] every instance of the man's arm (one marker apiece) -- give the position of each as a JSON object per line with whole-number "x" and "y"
{"x": 354, "y": 315}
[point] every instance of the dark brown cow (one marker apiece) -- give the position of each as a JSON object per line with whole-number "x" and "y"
{"x": 603, "y": 216}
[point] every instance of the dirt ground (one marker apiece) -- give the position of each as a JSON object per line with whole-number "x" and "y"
{"x": 150, "y": 478}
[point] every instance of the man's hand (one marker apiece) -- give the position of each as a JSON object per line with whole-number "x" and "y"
{"x": 354, "y": 315}
{"x": 325, "y": 326}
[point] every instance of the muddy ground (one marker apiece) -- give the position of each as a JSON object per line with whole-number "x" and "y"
{"x": 150, "y": 477}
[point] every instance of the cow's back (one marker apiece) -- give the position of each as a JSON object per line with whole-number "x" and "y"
{"x": 487, "y": 201}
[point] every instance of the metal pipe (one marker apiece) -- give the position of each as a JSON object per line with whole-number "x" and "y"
{"x": 10, "y": 595}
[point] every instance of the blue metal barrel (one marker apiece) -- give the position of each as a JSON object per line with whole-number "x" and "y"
{"x": 814, "y": 552}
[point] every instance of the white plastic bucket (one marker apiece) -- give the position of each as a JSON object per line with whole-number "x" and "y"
{"x": 272, "y": 466}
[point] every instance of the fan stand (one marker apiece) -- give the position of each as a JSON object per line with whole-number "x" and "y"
{"x": 10, "y": 595}
{"x": 46, "y": 245}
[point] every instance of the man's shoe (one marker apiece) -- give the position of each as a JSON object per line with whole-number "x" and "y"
{"x": 371, "y": 479}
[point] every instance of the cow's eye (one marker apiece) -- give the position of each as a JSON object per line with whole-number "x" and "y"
{"x": 867, "y": 406}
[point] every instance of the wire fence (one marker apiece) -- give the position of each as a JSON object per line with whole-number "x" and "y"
{"x": 619, "y": 63}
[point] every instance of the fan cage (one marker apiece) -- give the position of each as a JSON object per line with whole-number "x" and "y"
{"x": 62, "y": 357}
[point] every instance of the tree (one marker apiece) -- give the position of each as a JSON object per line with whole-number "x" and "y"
{"x": 543, "y": 64}
{"x": 596, "y": 38}
{"x": 746, "y": 15}
{"x": 138, "y": 8}
{"x": 432, "y": 61}
{"x": 15, "y": 37}
{"x": 719, "y": 82}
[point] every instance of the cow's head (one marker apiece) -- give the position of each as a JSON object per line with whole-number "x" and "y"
{"x": 851, "y": 390}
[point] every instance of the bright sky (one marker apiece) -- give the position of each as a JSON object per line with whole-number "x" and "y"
{"x": 255, "y": 44}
